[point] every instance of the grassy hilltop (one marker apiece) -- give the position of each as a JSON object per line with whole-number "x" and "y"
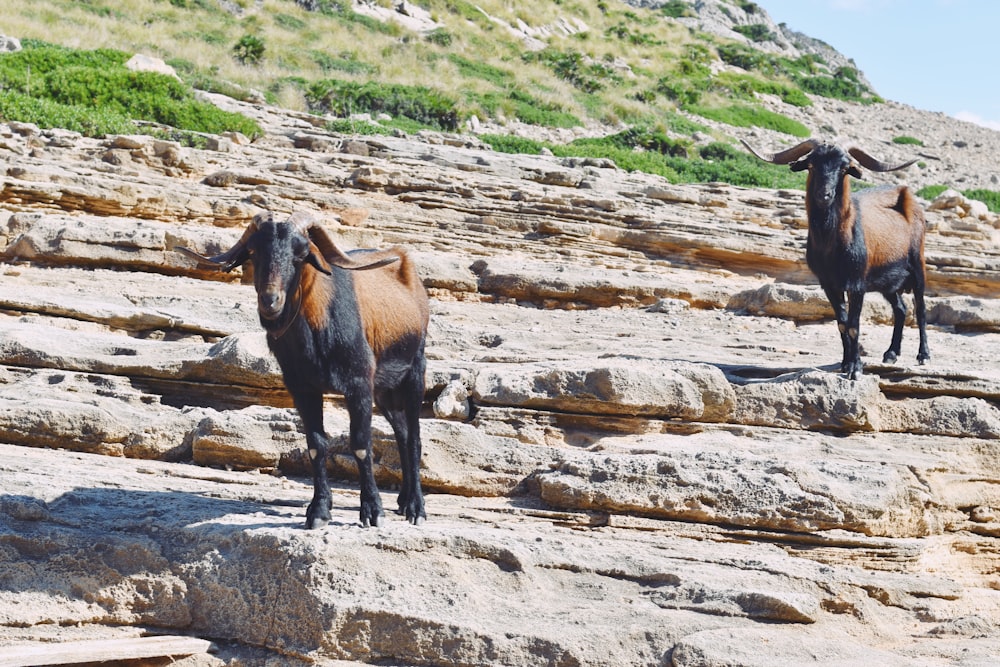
{"x": 590, "y": 62}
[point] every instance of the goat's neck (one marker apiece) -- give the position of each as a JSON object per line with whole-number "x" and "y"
{"x": 833, "y": 222}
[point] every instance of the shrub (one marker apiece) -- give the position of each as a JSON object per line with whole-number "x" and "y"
{"x": 677, "y": 9}
{"x": 744, "y": 57}
{"x": 249, "y": 50}
{"x": 747, "y": 84}
{"x": 47, "y": 113}
{"x": 525, "y": 108}
{"x": 505, "y": 143}
{"x": 418, "y": 103}
{"x": 907, "y": 140}
{"x": 573, "y": 67}
{"x": 92, "y": 92}
{"x": 439, "y": 36}
{"x": 348, "y": 126}
{"x": 756, "y": 32}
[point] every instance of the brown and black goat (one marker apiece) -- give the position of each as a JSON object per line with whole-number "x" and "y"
{"x": 353, "y": 324}
{"x": 872, "y": 241}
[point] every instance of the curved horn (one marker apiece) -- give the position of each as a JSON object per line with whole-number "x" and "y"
{"x": 787, "y": 155}
{"x": 231, "y": 258}
{"x": 874, "y": 164}
{"x": 306, "y": 225}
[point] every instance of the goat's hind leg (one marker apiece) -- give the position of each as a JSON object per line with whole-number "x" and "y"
{"x": 920, "y": 313}
{"x": 401, "y": 407}
{"x": 895, "y": 300}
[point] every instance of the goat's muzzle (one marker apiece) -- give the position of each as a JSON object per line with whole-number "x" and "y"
{"x": 270, "y": 304}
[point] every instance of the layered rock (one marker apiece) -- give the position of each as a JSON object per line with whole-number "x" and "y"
{"x": 637, "y": 446}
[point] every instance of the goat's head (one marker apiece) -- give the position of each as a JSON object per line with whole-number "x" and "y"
{"x": 828, "y": 166}
{"x": 279, "y": 251}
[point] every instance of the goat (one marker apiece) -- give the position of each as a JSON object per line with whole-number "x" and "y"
{"x": 354, "y": 324}
{"x": 872, "y": 241}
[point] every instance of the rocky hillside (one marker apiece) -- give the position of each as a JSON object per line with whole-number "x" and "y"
{"x": 637, "y": 447}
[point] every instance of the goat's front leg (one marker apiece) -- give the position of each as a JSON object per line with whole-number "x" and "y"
{"x": 836, "y": 299}
{"x": 855, "y": 302}
{"x": 310, "y": 409}
{"x": 359, "y": 407}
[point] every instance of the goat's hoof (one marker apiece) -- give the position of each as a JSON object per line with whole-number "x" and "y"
{"x": 923, "y": 358}
{"x": 318, "y": 514}
{"x": 889, "y": 357}
{"x": 372, "y": 519}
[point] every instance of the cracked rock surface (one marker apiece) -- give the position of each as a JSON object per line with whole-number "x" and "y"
{"x": 637, "y": 447}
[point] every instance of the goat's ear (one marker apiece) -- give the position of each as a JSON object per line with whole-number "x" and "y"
{"x": 317, "y": 263}
{"x": 799, "y": 165}
{"x": 854, "y": 170}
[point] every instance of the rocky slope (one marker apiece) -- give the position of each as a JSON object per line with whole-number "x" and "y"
{"x": 636, "y": 447}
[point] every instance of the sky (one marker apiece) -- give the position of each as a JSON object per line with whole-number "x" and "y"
{"x": 935, "y": 55}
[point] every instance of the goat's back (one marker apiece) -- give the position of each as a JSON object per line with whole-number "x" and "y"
{"x": 392, "y": 302}
{"x": 893, "y": 223}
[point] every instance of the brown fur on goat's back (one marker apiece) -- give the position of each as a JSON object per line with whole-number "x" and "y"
{"x": 392, "y": 302}
{"x": 894, "y": 224}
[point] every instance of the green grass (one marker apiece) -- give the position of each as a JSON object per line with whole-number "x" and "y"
{"x": 904, "y": 139}
{"x": 743, "y": 115}
{"x": 418, "y": 103}
{"x": 931, "y": 192}
{"x": 93, "y": 92}
{"x": 632, "y": 66}
{"x": 655, "y": 153}
{"x": 989, "y": 197}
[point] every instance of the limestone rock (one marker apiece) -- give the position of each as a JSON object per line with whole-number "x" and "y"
{"x": 637, "y": 445}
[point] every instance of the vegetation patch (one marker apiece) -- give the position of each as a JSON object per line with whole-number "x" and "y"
{"x": 418, "y": 103}
{"x": 655, "y": 153}
{"x": 756, "y": 32}
{"x": 743, "y": 115}
{"x": 582, "y": 72}
{"x": 931, "y": 192}
{"x": 808, "y": 72}
{"x": 92, "y": 92}
{"x": 989, "y": 197}
{"x": 677, "y": 9}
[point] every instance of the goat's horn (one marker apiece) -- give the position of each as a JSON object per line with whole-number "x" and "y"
{"x": 785, "y": 156}
{"x": 228, "y": 260}
{"x": 874, "y": 164}
{"x": 305, "y": 224}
